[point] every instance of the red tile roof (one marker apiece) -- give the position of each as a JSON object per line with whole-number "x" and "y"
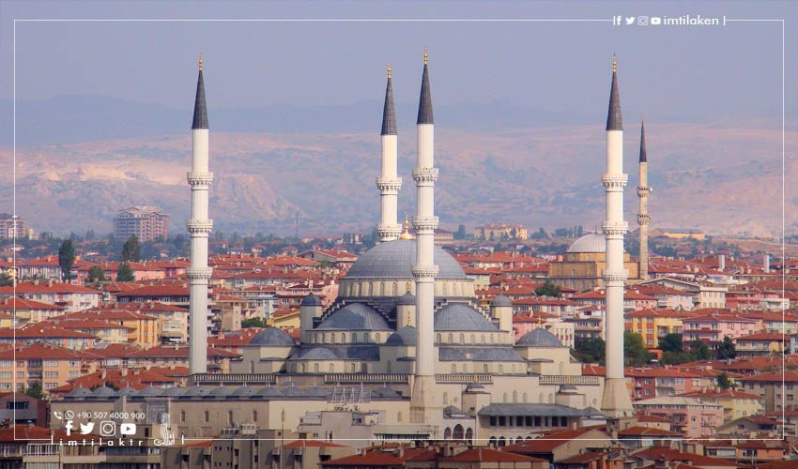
{"x": 311, "y": 444}
{"x": 489, "y": 455}
{"x": 371, "y": 458}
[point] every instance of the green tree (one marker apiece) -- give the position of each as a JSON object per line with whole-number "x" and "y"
{"x": 726, "y": 349}
{"x": 66, "y": 259}
{"x": 634, "y": 350}
{"x": 96, "y": 274}
{"x": 125, "y": 273}
{"x": 591, "y": 350}
{"x": 253, "y": 322}
{"x": 131, "y": 250}
{"x": 699, "y": 350}
{"x": 723, "y": 381}
{"x": 672, "y": 343}
{"x": 6, "y": 279}
{"x": 35, "y": 390}
{"x": 548, "y": 289}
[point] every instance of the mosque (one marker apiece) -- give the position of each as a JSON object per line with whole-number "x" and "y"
{"x": 406, "y": 338}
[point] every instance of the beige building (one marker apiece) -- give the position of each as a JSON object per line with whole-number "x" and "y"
{"x": 500, "y": 232}
{"x": 47, "y": 364}
{"x": 145, "y": 222}
{"x": 583, "y": 264}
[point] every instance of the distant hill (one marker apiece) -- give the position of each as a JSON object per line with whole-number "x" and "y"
{"x": 720, "y": 178}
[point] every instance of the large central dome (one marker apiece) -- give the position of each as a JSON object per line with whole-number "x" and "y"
{"x": 395, "y": 259}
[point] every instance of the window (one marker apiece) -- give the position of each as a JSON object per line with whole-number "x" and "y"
{"x": 207, "y": 416}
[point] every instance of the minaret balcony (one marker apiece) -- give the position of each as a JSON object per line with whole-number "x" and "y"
{"x": 199, "y": 273}
{"x": 199, "y": 226}
{"x": 425, "y": 175}
{"x": 614, "y": 181}
{"x": 422, "y": 271}
{"x": 199, "y": 179}
{"x": 643, "y": 219}
{"x": 615, "y": 278}
{"x": 389, "y": 185}
{"x": 615, "y": 229}
{"x": 643, "y": 191}
{"x": 425, "y": 224}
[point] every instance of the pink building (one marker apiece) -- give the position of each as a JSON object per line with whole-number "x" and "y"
{"x": 713, "y": 326}
{"x": 692, "y": 417}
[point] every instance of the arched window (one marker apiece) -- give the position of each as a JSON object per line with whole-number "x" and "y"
{"x": 469, "y": 435}
{"x": 465, "y": 367}
{"x": 438, "y": 338}
{"x": 462, "y": 338}
{"x": 454, "y": 368}
{"x": 353, "y": 368}
{"x": 473, "y": 339}
{"x": 356, "y": 289}
{"x": 303, "y": 367}
{"x": 447, "y": 434}
{"x": 450, "y": 337}
{"x": 382, "y": 288}
{"x": 254, "y": 415}
{"x": 399, "y": 416}
{"x": 458, "y": 432}
{"x": 182, "y": 416}
{"x": 501, "y": 368}
{"x": 525, "y": 398}
{"x": 504, "y": 398}
{"x": 331, "y": 368}
{"x": 315, "y": 367}
{"x": 485, "y": 368}
{"x": 394, "y": 289}
{"x": 492, "y": 441}
{"x": 230, "y": 417}
{"x": 515, "y": 397}
{"x": 370, "y": 289}
{"x": 207, "y": 416}
{"x": 502, "y": 442}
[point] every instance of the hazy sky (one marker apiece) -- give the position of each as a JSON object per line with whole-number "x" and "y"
{"x": 671, "y": 73}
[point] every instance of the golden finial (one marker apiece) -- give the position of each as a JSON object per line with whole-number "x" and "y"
{"x": 614, "y": 64}
{"x": 642, "y": 117}
{"x": 389, "y": 70}
{"x": 409, "y": 320}
{"x": 406, "y": 233}
{"x": 200, "y": 62}
{"x": 426, "y": 57}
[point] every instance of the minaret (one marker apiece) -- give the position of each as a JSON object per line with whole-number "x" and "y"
{"x": 388, "y": 183}
{"x": 198, "y": 227}
{"x": 642, "y": 193}
{"x": 616, "y": 402}
{"x": 423, "y": 405}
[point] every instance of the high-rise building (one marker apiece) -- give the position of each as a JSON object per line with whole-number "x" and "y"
{"x": 144, "y": 221}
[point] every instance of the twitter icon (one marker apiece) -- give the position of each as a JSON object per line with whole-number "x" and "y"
{"x": 87, "y": 428}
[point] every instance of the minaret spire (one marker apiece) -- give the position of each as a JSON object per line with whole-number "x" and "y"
{"x": 388, "y": 183}
{"x": 643, "y": 191}
{"x": 424, "y": 405}
{"x": 198, "y": 273}
{"x": 616, "y": 402}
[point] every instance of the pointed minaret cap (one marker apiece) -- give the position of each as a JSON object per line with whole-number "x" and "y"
{"x": 388, "y": 111}
{"x": 200, "y": 111}
{"x": 643, "y": 158}
{"x": 425, "y": 101}
{"x": 614, "y": 121}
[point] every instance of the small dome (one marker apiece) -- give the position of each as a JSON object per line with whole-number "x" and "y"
{"x": 293, "y": 391}
{"x": 243, "y": 391}
{"x": 103, "y": 392}
{"x": 173, "y": 392}
{"x": 408, "y": 299}
{"x": 79, "y": 393}
{"x": 311, "y": 300}
{"x": 127, "y": 391}
{"x": 395, "y": 259}
{"x": 219, "y": 393}
{"x": 501, "y": 301}
{"x": 272, "y": 337}
{"x": 269, "y": 392}
{"x": 461, "y": 317}
{"x": 539, "y": 338}
{"x": 150, "y": 392}
{"x": 315, "y": 391}
{"x": 403, "y": 336}
{"x": 194, "y": 392}
{"x": 593, "y": 242}
{"x": 355, "y": 317}
{"x": 318, "y": 353}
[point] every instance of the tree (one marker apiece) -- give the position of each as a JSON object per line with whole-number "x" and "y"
{"x": 253, "y": 322}
{"x": 723, "y": 381}
{"x": 672, "y": 343}
{"x": 96, "y": 274}
{"x": 591, "y": 350}
{"x": 699, "y": 350}
{"x": 131, "y": 250}
{"x": 548, "y": 289}
{"x": 6, "y": 279}
{"x": 125, "y": 273}
{"x": 726, "y": 349}
{"x": 66, "y": 259}
{"x": 35, "y": 390}
{"x": 634, "y": 350}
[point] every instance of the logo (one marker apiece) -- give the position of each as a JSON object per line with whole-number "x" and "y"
{"x": 656, "y": 21}
{"x": 58, "y": 415}
{"x": 616, "y": 20}
{"x": 167, "y": 437}
{"x": 86, "y": 429}
{"x": 69, "y": 414}
{"x": 68, "y": 426}
{"x": 107, "y": 428}
{"x": 630, "y": 20}
{"x": 642, "y": 20}
{"x": 127, "y": 429}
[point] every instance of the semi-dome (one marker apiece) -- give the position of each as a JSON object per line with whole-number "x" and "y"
{"x": 408, "y": 299}
{"x": 403, "y": 336}
{"x": 173, "y": 392}
{"x": 355, "y": 317}
{"x": 318, "y": 353}
{"x": 79, "y": 393}
{"x": 272, "y": 337}
{"x": 127, "y": 391}
{"x": 269, "y": 391}
{"x": 395, "y": 259}
{"x": 103, "y": 392}
{"x": 461, "y": 317}
{"x": 243, "y": 391}
{"x": 539, "y": 338}
{"x": 593, "y": 242}
{"x": 150, "y": 392}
